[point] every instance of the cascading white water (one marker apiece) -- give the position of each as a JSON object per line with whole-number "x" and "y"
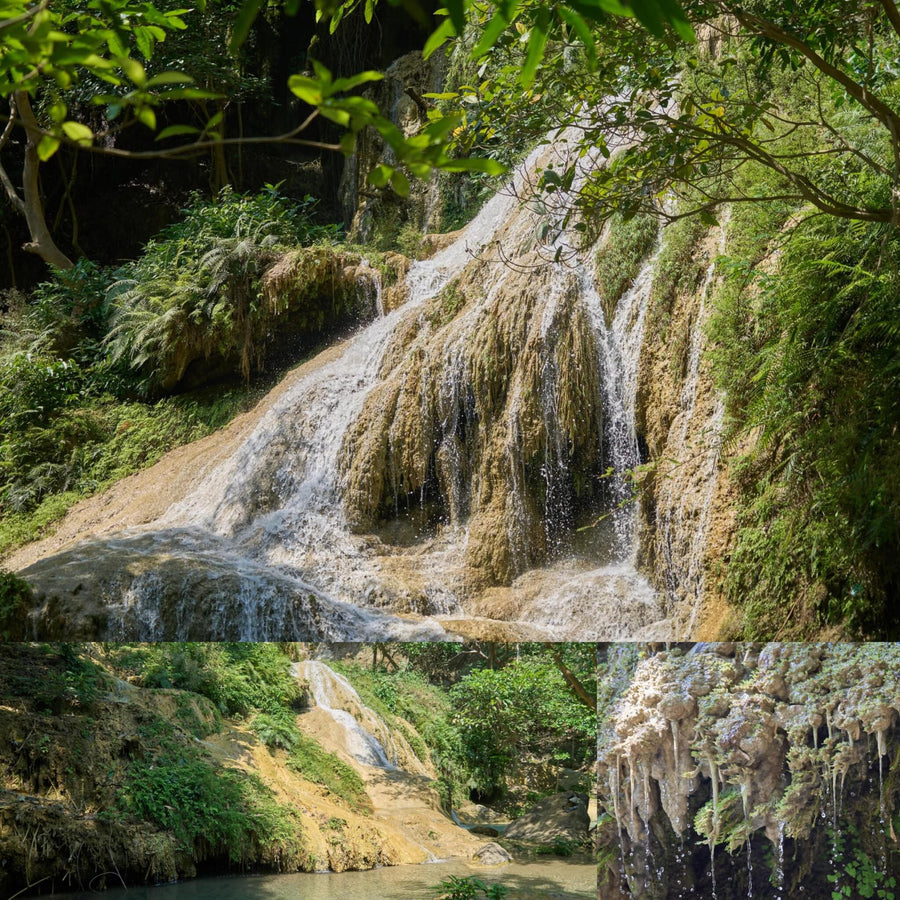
{"x": 683, "y": 517}
{"x": 261, "y": 547}
{"x": 367, "y": 737}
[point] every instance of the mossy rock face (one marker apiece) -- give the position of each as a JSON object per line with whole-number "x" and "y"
{"x": 489, "y": 408}
{"x": 278, "y": 308}
{"x": 761, "y": 749}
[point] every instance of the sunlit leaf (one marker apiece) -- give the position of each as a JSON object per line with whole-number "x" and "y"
{"x": 47, "y": 146}
{"x": 379, "y": 176}
{"x": 79, "y": 133}
{"x": 176, "y": 131}
{"x": 307, "y": 89}
{"x": 438, "y": 37}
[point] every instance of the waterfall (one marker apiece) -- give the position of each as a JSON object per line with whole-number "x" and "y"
{"x": 367, "y": 737}
{"x": 267, "y": 545}
{"x": 683, "y": 515}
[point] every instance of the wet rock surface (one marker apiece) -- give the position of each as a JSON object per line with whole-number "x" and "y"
{"x": 491, "y": 855}
{"x": 761, "y": 753}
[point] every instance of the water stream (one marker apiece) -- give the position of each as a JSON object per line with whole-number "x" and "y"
{"x": 367, "y": 737}
{"x": 261, "y": 548}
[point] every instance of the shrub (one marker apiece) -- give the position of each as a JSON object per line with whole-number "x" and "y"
{"x": 195, "y": 290}
{"x": 16, "y": 599}
{"x": 277, "y": 730}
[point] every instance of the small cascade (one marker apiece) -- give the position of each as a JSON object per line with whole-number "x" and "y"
{"x": 620, "y": 347}
{"x": 367, "y": 737}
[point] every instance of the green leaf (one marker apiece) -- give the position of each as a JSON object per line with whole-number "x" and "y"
{"x": 347, "y": 84}
{"x": 144, "y": 41}
{"x": 348, "y": 144}
{"x": 438, "y": 38}
{"x": 457, "y": 11}
{"x": 79, "y": 133}
{"x": 176, "y": 131}
{"x": 169, "y": 78}
{"x": 339, "y": 116}
{"x": 400, "y": 183}
{"x": 379, "y": 176}
{"x": 245, "y": 18}
{"x": 438, "y": 130}
{"x": 492, "y": 31}
{"x": 147, "y": 117}
{"x": 369, "y": 11}
{"x": 58, "y": 111}
{"x": 47, "y": 146}
{"x": 307, "y": 89}
{"x": 537, "y": 41}
{"x": 134, "y": 70}
{"x": 474, "y": 164}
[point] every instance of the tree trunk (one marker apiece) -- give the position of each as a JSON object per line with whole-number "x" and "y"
{"x": 42, "y": 242}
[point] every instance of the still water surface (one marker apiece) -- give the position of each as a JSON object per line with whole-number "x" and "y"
{"x": 557, "y": 879}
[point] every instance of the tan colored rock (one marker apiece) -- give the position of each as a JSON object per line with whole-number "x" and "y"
{"x": 562, "y": 815}
{"x": 491, "y": 854}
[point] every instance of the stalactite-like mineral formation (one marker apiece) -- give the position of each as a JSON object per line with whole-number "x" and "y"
{"x": 751, "y": 770}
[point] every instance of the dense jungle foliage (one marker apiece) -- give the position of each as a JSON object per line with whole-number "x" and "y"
{"x": 778, "y": 119}
{"x": 172, "y": 782}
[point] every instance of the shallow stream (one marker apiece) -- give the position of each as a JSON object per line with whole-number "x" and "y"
{"x": 556, "y": 879}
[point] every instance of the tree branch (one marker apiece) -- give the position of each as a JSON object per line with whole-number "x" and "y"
{"x": 28, "y": 14}
{"x": 584, "y": 695}
{"x": 5, "y": 180}
{"x": 879, "y": 109}
{"x": 893, "y": 13}
{"x": 42, "y": 242}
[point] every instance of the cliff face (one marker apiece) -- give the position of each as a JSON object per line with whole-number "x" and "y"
{"x": 686, "y": 517}
{"x": 753, "y": 770}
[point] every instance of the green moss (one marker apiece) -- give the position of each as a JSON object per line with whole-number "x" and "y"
{"x": 316, "y": 764}
{"x": 619, "y": 260}
{"x": 446, "y": 305}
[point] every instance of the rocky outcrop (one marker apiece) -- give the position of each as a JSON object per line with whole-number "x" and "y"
{"x": 560, "y": 816}
{"x": 748, "y": 767}
{"x": 399, "y": 96}
{"x": 488, "y": 409}
{"x": 687, "y": 518}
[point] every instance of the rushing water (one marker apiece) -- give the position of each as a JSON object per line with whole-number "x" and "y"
{"x": 261, "y": 549}
{"x": 572, "y": 879}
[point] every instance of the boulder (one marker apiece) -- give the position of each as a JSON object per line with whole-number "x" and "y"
{"x": 491, "y": 854}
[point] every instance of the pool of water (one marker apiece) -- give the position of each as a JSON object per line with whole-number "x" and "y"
{"x": 556, "y": 879}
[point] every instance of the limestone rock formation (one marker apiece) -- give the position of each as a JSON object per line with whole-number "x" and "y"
{"x": 488, "y": 409}
{"x": 768, "y": 753}
{"x": 562, "y": 815}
